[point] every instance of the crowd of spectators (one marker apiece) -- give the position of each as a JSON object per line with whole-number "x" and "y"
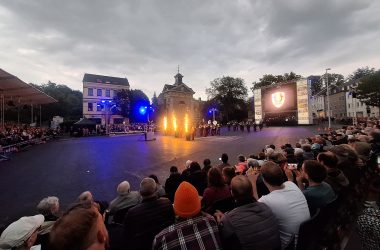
{"x": 310, "y": 194}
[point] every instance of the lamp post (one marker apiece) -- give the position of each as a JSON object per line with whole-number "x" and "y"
{"x": 328, "y": 97}
{"x": 213, "y": 113}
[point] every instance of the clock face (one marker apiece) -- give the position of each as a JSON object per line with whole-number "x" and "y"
{"x": 278, "y": 99}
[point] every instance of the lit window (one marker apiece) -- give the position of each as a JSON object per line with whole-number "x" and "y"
{"x": 108, "y": 93}
{"x": 90, "y": 92}
{"x": 98, "y": 107}
{"x": 90, "y": 107}
{"x": 99, "y": 92}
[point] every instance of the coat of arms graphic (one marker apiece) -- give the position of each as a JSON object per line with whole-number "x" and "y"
{"x": 278, "y": 99}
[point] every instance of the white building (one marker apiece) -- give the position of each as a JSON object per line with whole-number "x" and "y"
{"x": 98, "y": 94}
{"x": 318, "y": 106}
{"x": 354, "y": 105}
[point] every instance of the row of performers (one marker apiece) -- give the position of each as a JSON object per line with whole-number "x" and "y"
{"x": 242, "y": 125}
{"x": 205, "y": 129}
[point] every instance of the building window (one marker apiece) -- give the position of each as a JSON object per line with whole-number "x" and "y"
{"x": 99, "y": 92}
{"x": 98, "y": 107}
{"x": 90, "y": 92}
{"x": 90, "y": 107}
{"x": 349, "y": 106}
{"x": 108, "y": 93}
{"x": 357, "y": 104}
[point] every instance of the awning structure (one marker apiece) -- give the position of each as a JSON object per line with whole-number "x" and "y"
{"x": 21, "y": 93}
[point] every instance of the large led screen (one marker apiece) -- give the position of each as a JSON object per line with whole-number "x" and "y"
{"x": 280, "y": 98}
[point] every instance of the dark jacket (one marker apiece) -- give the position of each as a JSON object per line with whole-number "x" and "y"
{"x": 250, "y": 226}
{"x": 145, "y": 220}
{"x": 199, "y": 180}
{"x": 171, "y": 185}
{"x": 337, "y": 180}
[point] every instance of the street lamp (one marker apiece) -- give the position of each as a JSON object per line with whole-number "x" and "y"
{"x": 213, "y": 113}
{"x": 328, "y": 97}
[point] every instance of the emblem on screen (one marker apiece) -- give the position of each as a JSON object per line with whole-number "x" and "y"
{"x": 278, "y": 99}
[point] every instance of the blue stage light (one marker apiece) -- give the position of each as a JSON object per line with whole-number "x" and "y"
{"x": 142, "y": 110}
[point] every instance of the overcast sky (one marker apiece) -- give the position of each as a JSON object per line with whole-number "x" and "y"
{"x": 60, "y": 40}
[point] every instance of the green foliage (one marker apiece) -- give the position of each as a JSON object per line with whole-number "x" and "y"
{"x": 230, "y": 94}
{"x": 128, "y": 101}
{"x": 360, "y": 73}
{"x": 69, "y": 105}
{"x": 269, "y": 79}
{"x": 368, "y": 90}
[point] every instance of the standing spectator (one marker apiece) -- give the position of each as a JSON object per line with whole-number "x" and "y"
{"x": 193, "y": 230}
{"x": 318, "y": 194}
{"x": 285, "y": 199}
{"x": 125, "y": 198}
{"x": 224, "y": 163}
{"x": 216, "y": 190}
{"x": 22, "y": 234}
{"x": 251, "y": 225}
{"x": 148, "y": 218}
{"x": 172, "y": 183}
{"x": 82, "y": 227}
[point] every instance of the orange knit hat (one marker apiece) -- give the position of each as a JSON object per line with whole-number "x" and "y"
{"x": 186, "y": 201}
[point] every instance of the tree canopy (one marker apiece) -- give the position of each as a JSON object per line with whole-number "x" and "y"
{"x": 269, "y": 79}
{"x": 128, "y": 103}
{"x": 360, "y": 73}
{"x": 230, "y": 94}
{"x": 368, "y": 90}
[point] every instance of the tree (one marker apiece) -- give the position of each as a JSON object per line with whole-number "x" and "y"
{"x": 128, "y": 103}
{"x": 368, "y": 90}
{"x": 155, "y": 107}
{"x": 69, "y": 105}
{"x": 231, "y": 94}
{"x": 360, "y": 73}
{"x": 269, "y": 79}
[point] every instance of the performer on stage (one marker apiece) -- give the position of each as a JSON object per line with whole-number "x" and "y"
{"x": 248, "y": 124}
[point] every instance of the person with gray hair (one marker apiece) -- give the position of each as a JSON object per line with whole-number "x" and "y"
{"x": 125, "y": 198}
{"x": 49, "y": 208}
{"x": 143, "y": 221}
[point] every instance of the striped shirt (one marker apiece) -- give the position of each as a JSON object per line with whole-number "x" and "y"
{"x": 200, "y": 232}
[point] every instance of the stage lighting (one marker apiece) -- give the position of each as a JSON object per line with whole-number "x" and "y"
{"x": 142, "y": 110}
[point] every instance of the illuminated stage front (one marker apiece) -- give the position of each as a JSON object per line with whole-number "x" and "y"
{"x": 283, "y": 104}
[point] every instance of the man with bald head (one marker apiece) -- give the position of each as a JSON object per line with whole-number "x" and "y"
{"x": 145, "y": 220}
{"x": 285, "y": 199}
{"x": 251, "y": 225}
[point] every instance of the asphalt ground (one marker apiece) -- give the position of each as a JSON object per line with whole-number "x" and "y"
{"x": 69, "y": 166}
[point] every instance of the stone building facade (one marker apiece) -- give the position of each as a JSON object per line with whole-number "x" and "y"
{"x": 176, "y": 100}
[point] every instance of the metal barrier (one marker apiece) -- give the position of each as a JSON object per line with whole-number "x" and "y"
{"x": 10, "y": 148}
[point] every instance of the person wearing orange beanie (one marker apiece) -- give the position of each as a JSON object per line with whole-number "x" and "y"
{"x": 193, "y": 229}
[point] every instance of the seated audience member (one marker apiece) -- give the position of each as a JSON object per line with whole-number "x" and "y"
{"x": 125, "y": 197}
{"x": 186, "y": 171}
{"x": 318, "y": 194}
{"x": 254, "y": 166}
{"x": 160, "y": 189}
{"x": 307, "y": 152}
{"x": 193, "y": 230}
{"x": 363, "y": 149}
{"x": 216, "y": 190}
{"x": 148, "y": 218}
{"x": 22, "y": 234}
{"x": 285, "y": 199}
{"x": 251, "y": 225}
{"x": 88, "y": 197}
{"x": 224, "y": 163}
{"x": 298, "y": 156}
{"x": 80, "y": 228}
{"x": 241, "y": 166}
{"x": 172, "y": 183}
{"x": 228, "y": 173}
{"x": 49, "y": 208}
{"x": 197, "y": 178}
{"x": 206, "y": 166}
{"x": 335, "y": 177}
